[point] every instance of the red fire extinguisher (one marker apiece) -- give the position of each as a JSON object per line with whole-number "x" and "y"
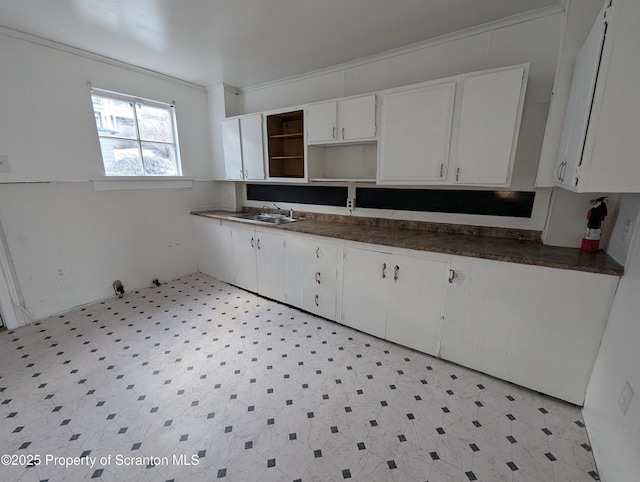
{"x": 595, "y": 221}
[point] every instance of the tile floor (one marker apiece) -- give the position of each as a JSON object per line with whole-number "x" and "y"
{"x": 197, "y": 380}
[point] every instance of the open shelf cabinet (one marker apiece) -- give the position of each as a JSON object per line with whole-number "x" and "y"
{"x": 285, "y": 132}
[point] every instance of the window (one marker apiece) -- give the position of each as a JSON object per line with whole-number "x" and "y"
{"x": 137, "y": 137}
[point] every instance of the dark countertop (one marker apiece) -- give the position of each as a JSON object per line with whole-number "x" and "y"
{"x": 499, "y": 244}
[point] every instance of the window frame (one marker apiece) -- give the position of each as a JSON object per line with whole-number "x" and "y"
{"x": 140, "y": 101}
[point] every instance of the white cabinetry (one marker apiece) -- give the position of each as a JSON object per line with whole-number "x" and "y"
{"x": 416, "y": 134}
{"x": 243, "y": 147}
{"x": 343, "y": 120}
{"x": 213, "y": 247}
{"x": 366, "y": 289}
{"x": 258, "y": 259}
{"x": 534, "y": 326}
{"x": 395, "y": 295}
{"x": 320, "y": 276}
{"x": 270, "y": 261}
{"x": 243, "y": 249}
{"x": 600, "y": 142}
{"x": 488, "y": 125}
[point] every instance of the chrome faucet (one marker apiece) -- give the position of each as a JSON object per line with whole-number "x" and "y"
{"x": 277, "y": 208}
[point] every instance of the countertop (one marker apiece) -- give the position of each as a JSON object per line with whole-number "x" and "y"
{"x": 499, "y": 244}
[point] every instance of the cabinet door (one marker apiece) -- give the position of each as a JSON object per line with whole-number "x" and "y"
{"x": 293, "y": 269}
{"x": 365, "y": 290}
{"x": 232, "y": 149}
{"x": 322, "y": 122}
{"x": 243, "y": 249}
{"x": 357, "y": 118}
{"x": 416, "y": 134}
{"x": 270, "y": 264}
{"x": 213, "y": 247}
{"x": 488, "y": 126}
{"x": 535, "y": 326}
{"x": 252, "y": 146}
{"x": 576, "y": 121}
{"x": 416, "y": 297}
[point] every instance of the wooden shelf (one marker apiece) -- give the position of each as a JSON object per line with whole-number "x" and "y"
{"x": 287, "y": 136}
{"x": 285, "y": 132}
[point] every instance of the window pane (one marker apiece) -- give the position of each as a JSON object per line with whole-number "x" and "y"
{"x": 114, "y": 117}
{"x": 154, "y": 123}
{"x": 121, "y": 158}
{"x": 159, "y": 159}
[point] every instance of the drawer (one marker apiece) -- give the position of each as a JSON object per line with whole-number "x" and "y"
{"x": 319, "y": 302}
{"x": 320, "y": 253}
{"x": 319, "y": 277}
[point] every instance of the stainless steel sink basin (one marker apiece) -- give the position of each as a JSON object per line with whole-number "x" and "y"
{"x": 267, "y": 218}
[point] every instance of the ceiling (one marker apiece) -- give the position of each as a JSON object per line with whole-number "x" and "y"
{"x": 248, "y": 42}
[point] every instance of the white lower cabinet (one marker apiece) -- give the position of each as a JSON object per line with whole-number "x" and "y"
{"x": 366, "y": 290}
{"x": 213, "y": 247}
{"x": 243, "y": 250}
{"x": 395, "y": 294}
{"x": 270, "y": 264}
{"x": 319, "y": 276}
{"x": 534, "y": 326}
{"x": 538, "y": 327}
{"x": 258, "y": 259}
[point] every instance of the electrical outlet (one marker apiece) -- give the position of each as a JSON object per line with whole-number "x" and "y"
{"x": 61, "y": 273}
{"x": 625, "y": 398}
{"x": 4, "y": 164}
{"x": 350, "y": 203}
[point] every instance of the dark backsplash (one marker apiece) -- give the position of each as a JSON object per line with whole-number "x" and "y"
{"x": 517, "y": 204}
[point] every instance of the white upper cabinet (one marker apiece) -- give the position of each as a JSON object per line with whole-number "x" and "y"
{"x": 416, "y": 134}
{"x": 600, "y": 142}
{"x": 243, "y": 147}
{"x": 343, "y": 120}
{"x": 487, "y": 128}
{"x": 232, "y": 149}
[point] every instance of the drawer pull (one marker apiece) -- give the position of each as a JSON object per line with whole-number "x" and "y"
{"x": 317, "y": 300}
{"x": 384, "y": 270}
{"x": 452, "y": 275}
{"x": 318, "y": 252}
{"x": 318, "y": 277}
{"x": 396, "y": 270}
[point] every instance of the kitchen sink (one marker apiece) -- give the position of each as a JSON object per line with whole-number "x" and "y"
{"x": 266, "y": 218}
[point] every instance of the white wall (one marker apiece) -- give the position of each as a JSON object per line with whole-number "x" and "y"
{"x": 52, "y": 215}
{"x": 616, "y": 438}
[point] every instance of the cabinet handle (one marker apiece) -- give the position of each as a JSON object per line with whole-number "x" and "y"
{"x": 333, "y": 133}
{"x": 561, "y": 169}
{"x": 343, "y": 132}
{"x": 396, "y": 270}
{"x": 241, "y": 174}
{"x": 452, "y": 275}
{"x": 318, "y": 252}
{"x": 384, "y": 270}
{"x": 317, "y": 299}
{"x": 258, "y": 243}
{"x": 441, "y": 169}
{"x": 458, "y": 174}
{"x": 252, "y": 244}
{"x": 246, "y": 174}
{"x": 318, "y": 277}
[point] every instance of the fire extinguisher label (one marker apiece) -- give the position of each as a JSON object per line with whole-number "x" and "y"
{"x": 593, "y": 234}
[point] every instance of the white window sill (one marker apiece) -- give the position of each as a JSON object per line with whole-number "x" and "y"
{"x": 134, "y": 183}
